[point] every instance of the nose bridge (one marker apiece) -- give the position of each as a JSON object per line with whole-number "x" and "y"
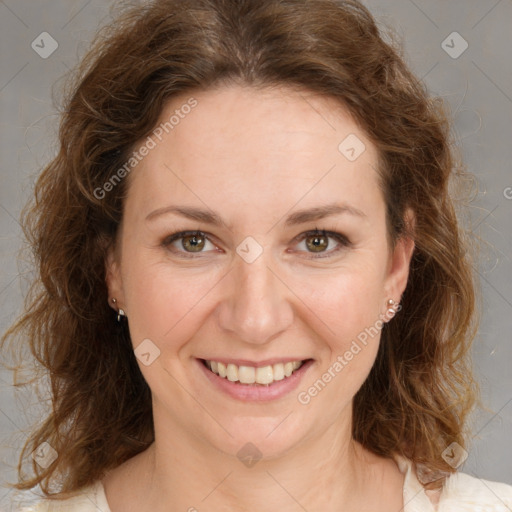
{"x": 257, "y": 308}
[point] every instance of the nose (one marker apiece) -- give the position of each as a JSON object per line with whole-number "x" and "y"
{"x": 257, "y": 306}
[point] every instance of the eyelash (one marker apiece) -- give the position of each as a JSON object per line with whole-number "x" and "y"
{"x": 341, "y": 239}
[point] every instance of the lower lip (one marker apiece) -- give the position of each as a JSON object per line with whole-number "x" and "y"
{"x": 256, "y": 392}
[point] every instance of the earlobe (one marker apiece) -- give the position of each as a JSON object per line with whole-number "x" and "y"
{"x": 113, "y": 280}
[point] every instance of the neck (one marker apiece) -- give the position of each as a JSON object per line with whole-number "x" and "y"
{"x": 184, "y": 473}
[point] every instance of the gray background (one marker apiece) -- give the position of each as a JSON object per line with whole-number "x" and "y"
{"x": 477, "y": 85}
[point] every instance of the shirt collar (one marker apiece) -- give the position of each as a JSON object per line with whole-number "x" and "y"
{"x": 415, "y": 497}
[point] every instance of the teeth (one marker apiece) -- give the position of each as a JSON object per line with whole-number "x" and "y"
{"x": 250, "y": 375}
{"x": 221, "y": 369}
{"x": 278, "y": 371}
{"x": 246, "y": 374}
{"x": 265, "y": 375}
{"x": 232, "y": 372}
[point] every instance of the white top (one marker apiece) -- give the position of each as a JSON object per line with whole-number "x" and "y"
{"x": 461, "y": 493}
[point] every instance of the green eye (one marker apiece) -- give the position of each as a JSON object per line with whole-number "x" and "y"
{"x": 186, "y": 243}
{"x": 191, "y": 242}
{"x": 195, "y": 243}
{"x": 317, "y": 241}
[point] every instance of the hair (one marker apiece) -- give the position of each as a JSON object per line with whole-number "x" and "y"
{"x": 420, "y": 391}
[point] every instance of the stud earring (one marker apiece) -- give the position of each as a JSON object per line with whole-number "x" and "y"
{"x": 120, "y": 312}
{"x": 392, "y": 305}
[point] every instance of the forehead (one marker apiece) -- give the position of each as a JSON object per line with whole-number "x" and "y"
{"x": 276, "y": 142}
{"x": 244, "y": 114}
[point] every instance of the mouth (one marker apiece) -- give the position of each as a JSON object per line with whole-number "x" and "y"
{"x": 257, "y": 381}
{"x": 254, "y": 375}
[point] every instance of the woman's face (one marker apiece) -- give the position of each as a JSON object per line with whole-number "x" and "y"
{"x": 255, "y": 289}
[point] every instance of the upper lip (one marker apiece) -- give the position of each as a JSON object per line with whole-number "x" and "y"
{"x": 256, "y": 364}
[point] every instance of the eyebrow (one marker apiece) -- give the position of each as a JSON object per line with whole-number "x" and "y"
{"x": 296, "y": 218}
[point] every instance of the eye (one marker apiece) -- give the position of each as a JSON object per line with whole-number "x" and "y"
{"x": 317, "y": 242}
{"x": 187, "y": 242}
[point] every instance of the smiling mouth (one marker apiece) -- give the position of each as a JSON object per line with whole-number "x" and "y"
{"x": 251, "y": 375}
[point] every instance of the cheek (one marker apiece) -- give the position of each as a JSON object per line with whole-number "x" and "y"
{"x": 346, "y": 301}
{"x": 347, "y": 319}
{"x": 164, "y": 302}
{"x": 348, "y": 307}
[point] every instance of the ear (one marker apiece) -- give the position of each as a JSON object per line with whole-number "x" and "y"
{"x": 113, "y": 279}
{"x": 399, "y": 264}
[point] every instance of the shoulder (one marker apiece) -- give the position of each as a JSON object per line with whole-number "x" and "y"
{"x": 463, "y": 492}
{"x": 89, "y": 499}
{"x": 460, "y": 493}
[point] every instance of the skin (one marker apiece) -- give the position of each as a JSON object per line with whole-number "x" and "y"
{"x": 255, "y": 157}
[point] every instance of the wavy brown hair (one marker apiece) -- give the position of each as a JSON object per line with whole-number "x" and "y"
{"x": 420, "y": 391}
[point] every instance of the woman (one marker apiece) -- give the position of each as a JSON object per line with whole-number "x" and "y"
{"x": 256, "y": 295}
